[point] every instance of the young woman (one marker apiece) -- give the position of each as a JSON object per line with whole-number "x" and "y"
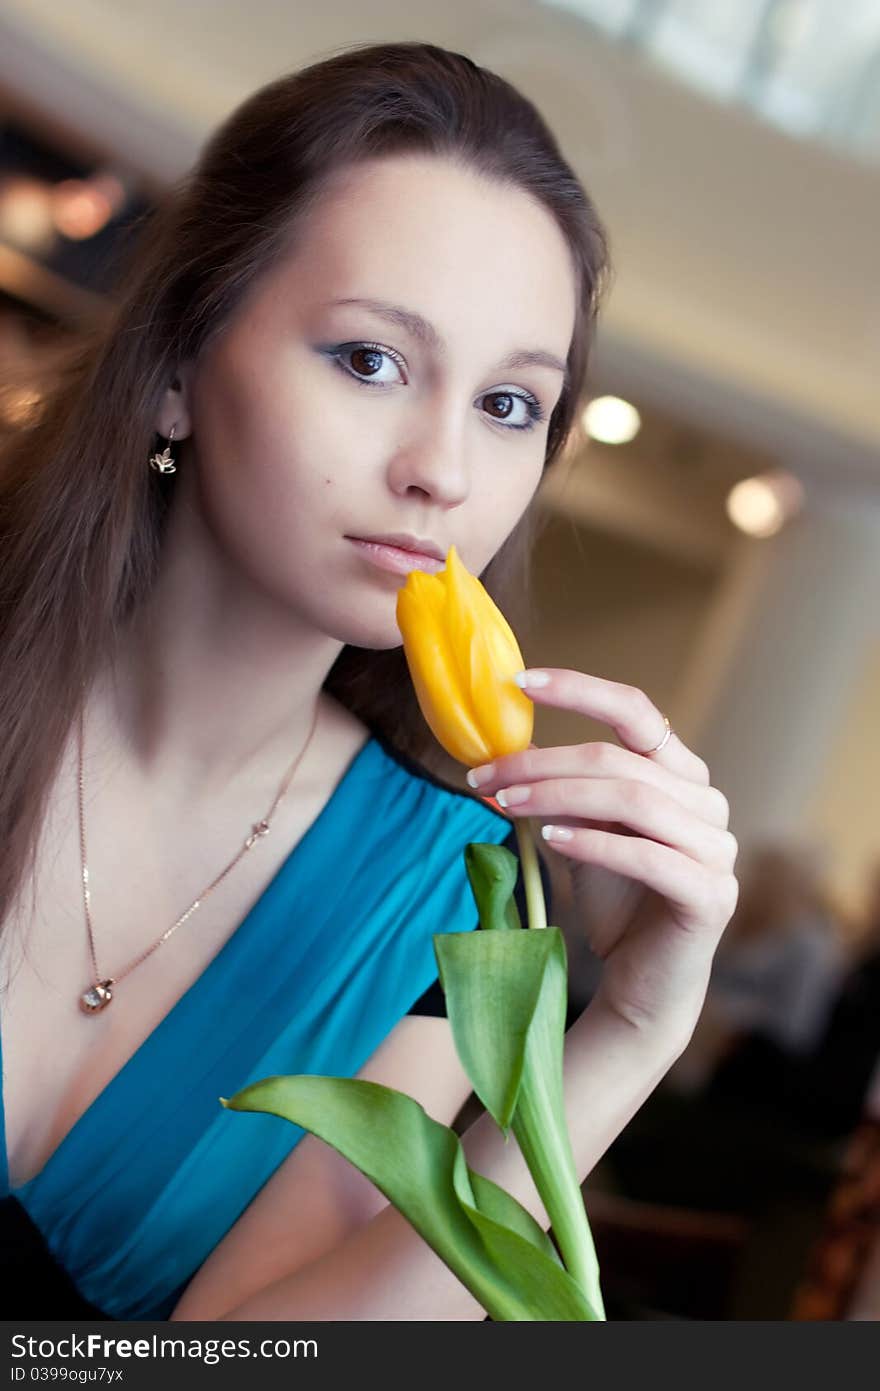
{"x": 365, "y": 313}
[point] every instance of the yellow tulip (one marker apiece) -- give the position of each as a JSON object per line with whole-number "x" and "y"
{"x": 461, "y": 654}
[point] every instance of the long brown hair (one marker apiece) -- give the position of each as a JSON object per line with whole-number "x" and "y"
{"x": 81, "y": 514}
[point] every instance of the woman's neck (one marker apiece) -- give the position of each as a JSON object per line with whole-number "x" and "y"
{"x": 211, "y": 682}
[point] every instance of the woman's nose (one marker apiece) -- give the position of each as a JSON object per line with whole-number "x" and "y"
{"x": 435, "y": 464}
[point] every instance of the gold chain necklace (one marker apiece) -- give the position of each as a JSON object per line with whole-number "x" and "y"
{"x": 99, "y": 995}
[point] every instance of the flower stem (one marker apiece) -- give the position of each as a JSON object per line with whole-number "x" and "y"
{"x": 536, "y": 909}
{"x": 547, "y": 1152}
{"x": 540, "y": 1123}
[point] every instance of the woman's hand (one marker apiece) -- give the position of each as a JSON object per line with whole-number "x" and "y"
{"x": 653, "y": 819}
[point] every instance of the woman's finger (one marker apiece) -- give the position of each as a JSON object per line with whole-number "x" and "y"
{"x": 700, "y": 899}
{"x": 646, "y": 810}
{"x": 631, "y": 714}
{"x": 601, "y": 761}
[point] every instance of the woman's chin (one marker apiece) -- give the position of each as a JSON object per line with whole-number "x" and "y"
{"x": 372, "y": 637}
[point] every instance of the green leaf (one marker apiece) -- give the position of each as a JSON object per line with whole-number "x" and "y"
{"x": 541, "y": 1125}
{"x": 486, "y": 1238}
{"x": 492, "y": 982}
{"x": 492, "y": 871}
{"x": 496, "y": 1203}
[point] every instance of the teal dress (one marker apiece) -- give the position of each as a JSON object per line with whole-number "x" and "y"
{"x": 332, "y": 955}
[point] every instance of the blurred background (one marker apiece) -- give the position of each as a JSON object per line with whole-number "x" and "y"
{"x": 712, "y": 536}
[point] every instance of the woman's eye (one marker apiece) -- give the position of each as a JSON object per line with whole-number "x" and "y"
{"x": 364, "y": 363}
{"x": 516, "y": 410}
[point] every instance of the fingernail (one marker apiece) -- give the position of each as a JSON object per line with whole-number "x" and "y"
{"x": 556, "y": 832}
{"x": 477, "y": 776}
{"x": 512, "y": 796}
{"x": 531, "y": 679}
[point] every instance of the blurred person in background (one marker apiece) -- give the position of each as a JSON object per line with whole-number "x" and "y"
{"x": 775, "y": 978}
{"x": 830, "y": 1088}
{"x": 753, "y": 1108}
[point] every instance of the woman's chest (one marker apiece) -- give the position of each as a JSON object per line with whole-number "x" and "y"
{"x": 58, "y": 1059}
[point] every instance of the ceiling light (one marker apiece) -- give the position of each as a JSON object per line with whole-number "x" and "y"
{"x": 762, "y": 505}
{"x": 611, "y": 420}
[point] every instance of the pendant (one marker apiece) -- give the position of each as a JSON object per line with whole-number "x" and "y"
{"x": 261, "y": 829}
{"x": 97, "y": 997}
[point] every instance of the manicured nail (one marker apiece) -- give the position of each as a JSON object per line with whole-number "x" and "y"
{"x": 531, "y": 679}
{"x": 557, "y": 832}
{"x": 512, "y": 796}
{"x": 477, "y": 776}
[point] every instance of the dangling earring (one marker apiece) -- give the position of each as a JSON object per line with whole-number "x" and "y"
{"x": 163, "y": 463}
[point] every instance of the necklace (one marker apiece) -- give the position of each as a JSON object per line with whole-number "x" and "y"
{"x": 99, "y": 995}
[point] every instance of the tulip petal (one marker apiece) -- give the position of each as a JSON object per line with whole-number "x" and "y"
{"x": 488, "y": 655}
{"x": 458, "y": 617}
{"x": 442, "y": 698}
{"x": 507, "y": 716}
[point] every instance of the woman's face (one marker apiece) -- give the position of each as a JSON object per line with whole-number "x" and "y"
{"x": 314, "y": 421}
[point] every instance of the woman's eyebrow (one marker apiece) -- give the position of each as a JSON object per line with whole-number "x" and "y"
{"x": 426, "y": 333}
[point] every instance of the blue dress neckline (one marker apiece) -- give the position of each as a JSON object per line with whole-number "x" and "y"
{"x": 99, "y": 1106}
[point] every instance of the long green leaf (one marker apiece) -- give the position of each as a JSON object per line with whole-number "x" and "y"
{"x": 497, "y": 1204}
{"x": 492, "y": 982}
{"x": 485, "y": 1237}
{"x": 490, "y": 1033}
{"x": 541, "y": 1126}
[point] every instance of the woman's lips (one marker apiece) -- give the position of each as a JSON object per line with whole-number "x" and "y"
{"x": 395, "y": 559}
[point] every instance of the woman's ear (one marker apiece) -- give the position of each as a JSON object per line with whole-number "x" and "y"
{"x": 175, "y": 407}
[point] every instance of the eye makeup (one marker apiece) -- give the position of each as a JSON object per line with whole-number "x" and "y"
{"x": 535, "y": 413}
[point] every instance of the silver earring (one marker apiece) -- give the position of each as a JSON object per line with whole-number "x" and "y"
{"x": 163, "y": 463}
